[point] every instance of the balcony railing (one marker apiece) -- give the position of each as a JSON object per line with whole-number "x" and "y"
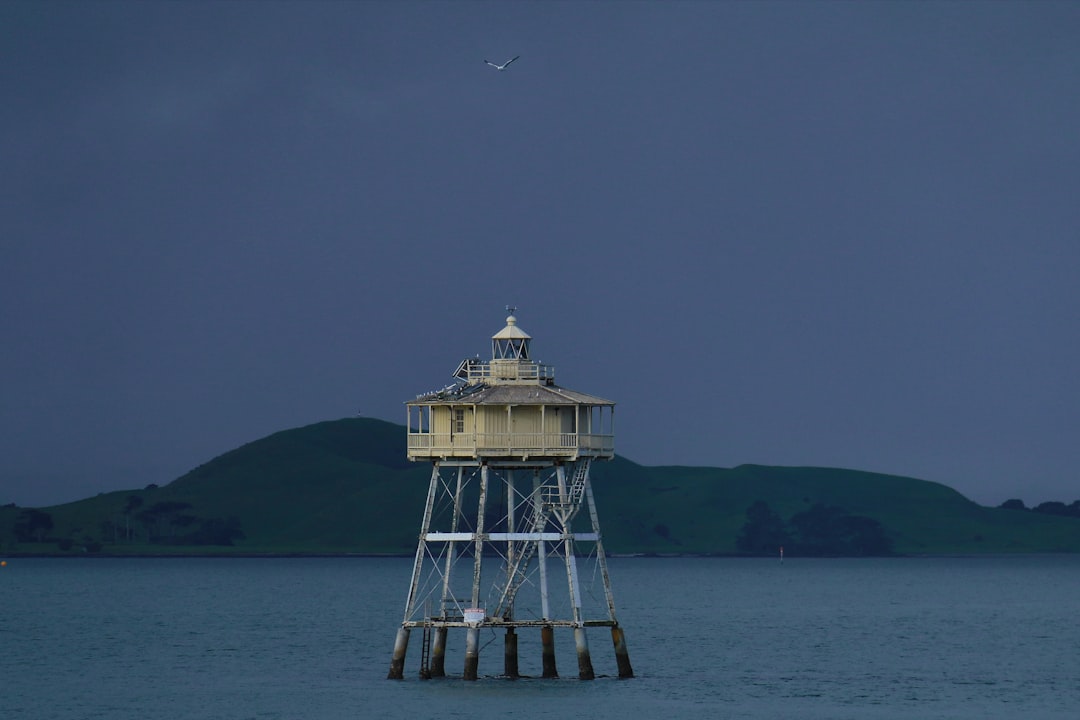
{"x": 530, "y": 372}
{"x": 427, "y": 444}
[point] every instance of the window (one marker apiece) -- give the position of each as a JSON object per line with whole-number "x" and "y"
{"x": 510, "y": 349}
{"x": 459, "y": 420}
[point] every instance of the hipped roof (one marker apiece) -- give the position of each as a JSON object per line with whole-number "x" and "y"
{"x": 512, "y": 395}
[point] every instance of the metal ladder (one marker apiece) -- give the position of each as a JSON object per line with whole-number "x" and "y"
{"x": 547, "y": 499}
{"x": 425, "y": 645}
{"x": 515, "y": 574}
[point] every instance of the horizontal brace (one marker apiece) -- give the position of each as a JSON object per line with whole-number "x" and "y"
{"x": 504, "y": 537}
{"x": 499, "y": 622}
{"x": 553, "y": 537}
{"x": 449, "y": 536}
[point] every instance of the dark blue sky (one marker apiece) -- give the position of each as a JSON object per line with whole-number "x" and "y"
{"x": 841, "y": 234}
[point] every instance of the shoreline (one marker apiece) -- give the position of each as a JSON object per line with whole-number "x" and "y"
{"x": 404, "y": 556}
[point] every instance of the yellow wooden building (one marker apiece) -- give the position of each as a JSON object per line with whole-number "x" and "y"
{"x": 509, "y": 408}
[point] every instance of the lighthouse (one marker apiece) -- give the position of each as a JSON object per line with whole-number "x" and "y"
{"x": 510, "y": 535}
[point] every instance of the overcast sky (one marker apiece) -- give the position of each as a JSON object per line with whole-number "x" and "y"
{"x": 799, "y": 233}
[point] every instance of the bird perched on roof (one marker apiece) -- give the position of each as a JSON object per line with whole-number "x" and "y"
{"x": 503, "y": 66}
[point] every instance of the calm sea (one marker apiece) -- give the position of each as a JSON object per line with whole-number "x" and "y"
{"x": 710, "y": 638}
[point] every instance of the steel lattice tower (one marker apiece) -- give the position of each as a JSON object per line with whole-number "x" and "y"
{"x": 511, "y": 454}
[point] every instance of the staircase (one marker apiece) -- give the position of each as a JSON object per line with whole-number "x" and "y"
{"x": 548, "y": 500}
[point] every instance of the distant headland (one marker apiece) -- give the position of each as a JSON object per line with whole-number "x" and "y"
{"x": 344, "y": 487}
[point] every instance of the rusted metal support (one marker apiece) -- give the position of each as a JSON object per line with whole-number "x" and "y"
{"x": 450, "y": 552}
{"x": 401, "y": 642}
{"x": 478, "y": 547}
{"x": 511, "y": 522}
{"x": 547, "y": 641}
{"x": 472, "y": 636}
{"x": 584, "y": 661}
{"x": 601, "y": 556}
{"x": 472, "y": 652}
{"x": 622, "y": 657}
{"x": 397, "y": 663}
{"x": 510, "y": 654}
{"x": 581, "y": 642}
{"x": 438, "y": 653}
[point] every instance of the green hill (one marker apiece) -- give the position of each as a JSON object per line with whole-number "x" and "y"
{"x": 344, "y": 486}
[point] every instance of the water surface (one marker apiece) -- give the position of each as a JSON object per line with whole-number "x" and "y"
{"x": 719, "y": 638}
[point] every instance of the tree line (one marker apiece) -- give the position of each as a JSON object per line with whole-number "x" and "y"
{"x": 160, "y": 523}
{"x": 1051, "y": 507}
{"x": 821, "y": 531}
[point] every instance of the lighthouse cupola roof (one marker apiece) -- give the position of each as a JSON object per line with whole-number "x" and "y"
{"x": 510, "y": 343}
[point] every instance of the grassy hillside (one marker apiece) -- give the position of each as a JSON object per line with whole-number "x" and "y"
{"x": 345, "y": 486}
{"x": 703, "y": 509}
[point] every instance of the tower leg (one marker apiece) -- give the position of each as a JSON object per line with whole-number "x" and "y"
{"x": 622, "y": 657}
{"x": 584, "y": 661}
{"x": 510, "y": 654}
{"x": 438, "y": 653}
{"x": 472, "y": 652}
{"x": 397, "y": 663}
{"x": 401, "y": 642}
{"x": 472, "y": 637}
{"x": 547, "y": 641}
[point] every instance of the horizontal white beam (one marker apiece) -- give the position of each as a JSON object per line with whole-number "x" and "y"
{"x": 504, "y": 537}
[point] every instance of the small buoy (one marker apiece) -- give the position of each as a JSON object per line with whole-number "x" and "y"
{"x": 3, "y": 563}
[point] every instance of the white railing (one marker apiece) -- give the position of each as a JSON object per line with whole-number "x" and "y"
{"x": 424, "y": 444}
{"x": 523, "y": 371}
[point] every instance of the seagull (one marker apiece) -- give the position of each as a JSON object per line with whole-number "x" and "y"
{"x": 503, "y": 66}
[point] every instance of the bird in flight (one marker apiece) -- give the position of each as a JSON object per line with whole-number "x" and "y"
{"x": 503, "y": 66}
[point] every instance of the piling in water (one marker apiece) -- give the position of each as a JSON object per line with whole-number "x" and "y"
{"x": 397, "y": 663}
{"x": 472, "y": 652}
{"x": 510, "y": 654}
{"x": 547, "y": 640}
{"x": 584, "y": 662}
{"x": 622, "y": 657}
{"x": 438, "y": 653}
